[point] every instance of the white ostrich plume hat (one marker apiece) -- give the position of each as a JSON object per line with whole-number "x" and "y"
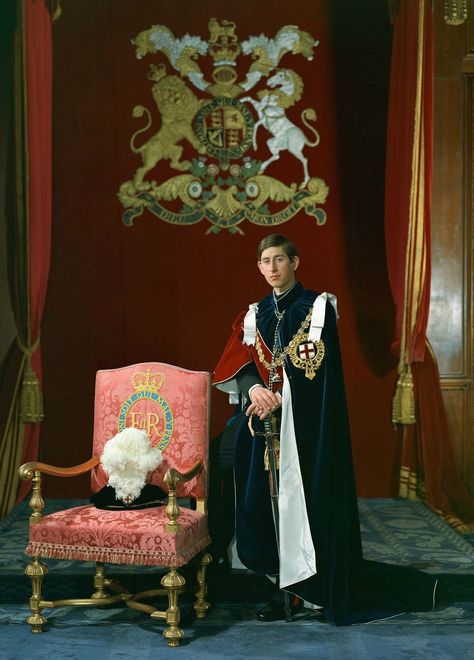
{"x": 127, "y": 458}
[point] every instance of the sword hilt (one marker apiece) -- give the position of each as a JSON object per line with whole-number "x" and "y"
{"x": 268, "y": 432}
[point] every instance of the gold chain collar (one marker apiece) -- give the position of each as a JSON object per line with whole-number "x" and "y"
{"x": 279, "y": 361}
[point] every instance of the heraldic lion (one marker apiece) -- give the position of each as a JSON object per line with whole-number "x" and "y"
{"x": 177, "y": 105}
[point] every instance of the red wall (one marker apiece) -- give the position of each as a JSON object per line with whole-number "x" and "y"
{"x": 119, "y": 295}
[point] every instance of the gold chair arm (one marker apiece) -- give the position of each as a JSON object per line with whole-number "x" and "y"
{"x": 33, "y": 470}
{"x": 172, "y": 479}
{"x": 27, "y": 470}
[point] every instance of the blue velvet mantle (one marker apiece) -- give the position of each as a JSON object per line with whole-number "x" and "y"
{"x": 349, "y": 588}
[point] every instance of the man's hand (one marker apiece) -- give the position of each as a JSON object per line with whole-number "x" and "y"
{"x": 263, "y": 402}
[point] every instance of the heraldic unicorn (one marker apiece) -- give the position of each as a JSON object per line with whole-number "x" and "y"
{"x": 223, "y": 137}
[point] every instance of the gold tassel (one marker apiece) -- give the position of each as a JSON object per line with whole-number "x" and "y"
{"x": 31, "y": 398}
{"x": 57, "y": 12}
{"x": 455, "y": 12}
{"x": 403, "y": 405}
{"x": 55, "y": 9}
{"x": 276, "y": 455}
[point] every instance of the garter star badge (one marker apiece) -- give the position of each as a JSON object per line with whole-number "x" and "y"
{"x": 220, "y": 136}
{"x": 307, "y": 355}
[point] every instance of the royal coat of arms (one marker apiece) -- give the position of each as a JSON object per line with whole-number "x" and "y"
{"x": 232, "y": 131}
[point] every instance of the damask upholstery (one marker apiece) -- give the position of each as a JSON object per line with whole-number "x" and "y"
{"x": 118, "y": 537}
{"x": 172, "y": 405}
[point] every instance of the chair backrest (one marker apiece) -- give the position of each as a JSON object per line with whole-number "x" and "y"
{"x": 172, "y": 404}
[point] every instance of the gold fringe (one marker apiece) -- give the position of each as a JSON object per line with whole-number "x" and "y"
{"x": 413, "y": 488}
{"x": 457, "y": 523}
{"x": 31, "y": 397}
{"x": 403, "y": 404}
{"x": 453, "y": 521}
{"x": 408, "y": 486}
{"x": 117, "y": 555}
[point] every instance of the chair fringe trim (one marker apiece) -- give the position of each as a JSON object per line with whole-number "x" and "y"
{"x": 117, "y": 555}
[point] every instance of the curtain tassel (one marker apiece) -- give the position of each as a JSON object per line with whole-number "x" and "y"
{"x": 403, "y": 405}
{"x": 31, "y": 399}
{"x": 276, "y": 455}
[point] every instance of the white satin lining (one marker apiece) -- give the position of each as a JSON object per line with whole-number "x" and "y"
{"x": 317, "y": 319}
{"x": 297, "y": 553}
{"x": 319, "y": 314}
{"x": 250, "y": 325}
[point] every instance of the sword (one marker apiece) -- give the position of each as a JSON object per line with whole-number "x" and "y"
{"x": 270, "y": 433}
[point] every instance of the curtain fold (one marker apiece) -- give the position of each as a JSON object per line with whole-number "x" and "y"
{"x": 28, "y": 216}
{"x": 428, "y": 469}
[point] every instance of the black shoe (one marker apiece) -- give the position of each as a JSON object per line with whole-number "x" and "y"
{"x": 218, "y": 578}
{"x": 275, "y": 610}
{"x": 218, "y": 569}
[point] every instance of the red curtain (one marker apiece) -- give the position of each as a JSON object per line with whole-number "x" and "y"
{"x": 428, "y": 468}
{"x": 172, "y": 292}
{"x": 29, "y": 237}
{"x": 38, "y": 84}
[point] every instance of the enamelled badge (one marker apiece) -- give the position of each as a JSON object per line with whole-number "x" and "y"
{"x": 306, "y": 354}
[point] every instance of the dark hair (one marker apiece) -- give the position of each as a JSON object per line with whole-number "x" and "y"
{"x": 277, "y": 240}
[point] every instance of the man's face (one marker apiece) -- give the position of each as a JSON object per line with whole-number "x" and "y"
{"x": 278, "y": 269}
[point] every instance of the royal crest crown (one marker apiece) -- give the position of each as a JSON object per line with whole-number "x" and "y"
{"x": 224, "y": 46}
{"x": 149, "y": 381}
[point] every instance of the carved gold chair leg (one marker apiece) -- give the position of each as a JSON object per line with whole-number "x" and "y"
{"x": 173, "y": 582}
{"x": 36, "y": 571}
{"x": 201, "y": 605}
{"x": 100, "y": 581}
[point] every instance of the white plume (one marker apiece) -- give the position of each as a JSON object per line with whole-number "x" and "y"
{"x": 127, "y": 458}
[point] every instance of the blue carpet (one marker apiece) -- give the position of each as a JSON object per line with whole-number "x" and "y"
{"x": 409, "y": 534}
{"x": 394, "y": 531}
{"x": 242, "y": 641}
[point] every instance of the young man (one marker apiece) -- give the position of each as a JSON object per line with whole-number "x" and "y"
{"x": 283, "y": 360}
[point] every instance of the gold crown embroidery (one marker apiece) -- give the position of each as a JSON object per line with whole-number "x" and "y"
{"x": 147, "y": 381}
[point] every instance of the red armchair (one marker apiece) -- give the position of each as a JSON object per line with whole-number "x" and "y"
{"x": 172, "y": 404}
